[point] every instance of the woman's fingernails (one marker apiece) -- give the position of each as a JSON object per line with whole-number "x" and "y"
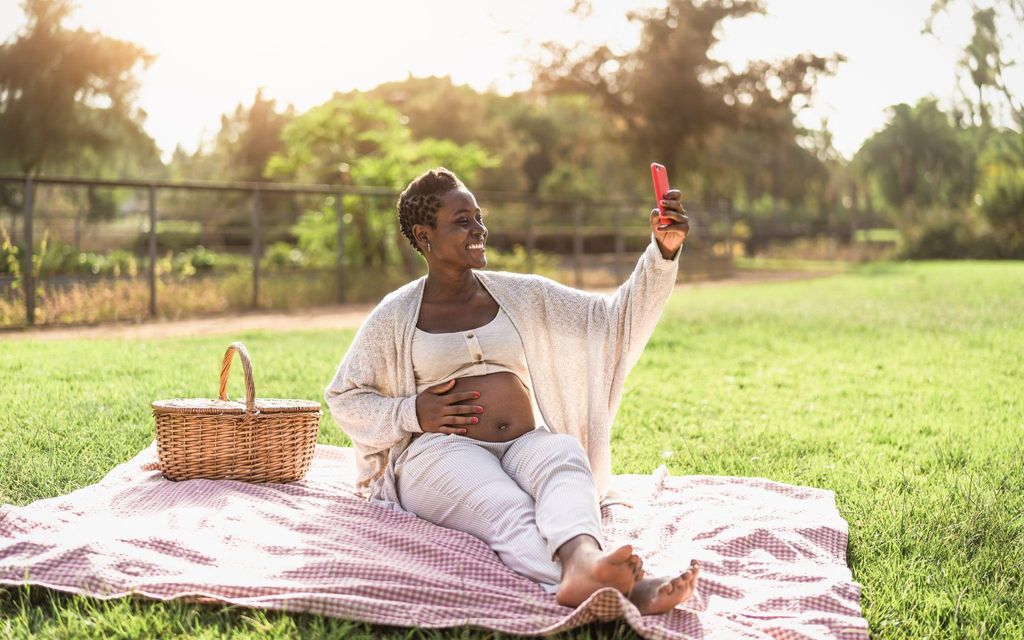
{"x": 479, "y": 409}
{"x": 474, "y": 420}
{"x": 476, "y": 394}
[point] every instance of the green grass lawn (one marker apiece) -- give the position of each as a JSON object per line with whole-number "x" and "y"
{"x": 898, "y": 386}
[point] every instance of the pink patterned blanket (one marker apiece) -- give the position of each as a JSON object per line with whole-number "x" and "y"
{"x": 773, "y": 555}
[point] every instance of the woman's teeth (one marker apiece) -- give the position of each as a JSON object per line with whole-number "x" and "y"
{"x": 476, "y": 246}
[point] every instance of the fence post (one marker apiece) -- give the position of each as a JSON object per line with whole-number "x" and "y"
{"x": 854, "y": 208}
{"x": 28, "y": 279}
{"x": 256, "y": 206}
{"x": 727, "y": 203}
{"x": 339, "y": 211}
{"x": 152, "y": 251}
{"x": 620, "y": 246}
{"x": 577, "y": 244}
{"x": 531, "y": 238}
{"x": 14, "y": 227}
{"x": 78, "y": 232}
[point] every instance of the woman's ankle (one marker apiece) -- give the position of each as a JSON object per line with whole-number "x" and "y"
{"x": 583, "y": 543}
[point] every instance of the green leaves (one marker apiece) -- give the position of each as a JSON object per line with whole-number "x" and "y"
{"x": 67, "y": 95}
{"x": 358, "y": 141}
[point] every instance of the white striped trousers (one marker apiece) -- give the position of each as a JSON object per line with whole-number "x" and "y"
{"x": 525, "y": 497}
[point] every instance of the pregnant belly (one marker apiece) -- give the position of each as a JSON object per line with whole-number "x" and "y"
{"x": 507, "y": 412}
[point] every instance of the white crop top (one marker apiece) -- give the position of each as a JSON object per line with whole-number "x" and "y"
{"x": 494, "y": 347}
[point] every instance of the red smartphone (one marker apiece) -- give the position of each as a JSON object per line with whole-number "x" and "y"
{"x": 660, "y": 177}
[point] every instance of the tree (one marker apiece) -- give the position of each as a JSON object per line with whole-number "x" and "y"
{"x": 1000, "y": 195}
{"x": 529, "y": 132}
{"x": 918, "y": 165}
{"x": 986, "y": 56}
{"x": 352, "y": 140}
{"x": 436, "y": 107}
{"x": 64, "y": 92}
{"x": 668, "y": 98}
{"x": 246, "y": 140}
{"x": 251, "y": 136}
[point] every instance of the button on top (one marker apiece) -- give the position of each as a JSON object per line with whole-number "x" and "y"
{"x": 469, "y": 335}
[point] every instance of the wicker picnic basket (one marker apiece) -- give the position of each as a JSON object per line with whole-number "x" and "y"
{"x": 266, "y": 440}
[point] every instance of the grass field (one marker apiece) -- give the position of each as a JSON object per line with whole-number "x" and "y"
{"x": 898, "y": 386}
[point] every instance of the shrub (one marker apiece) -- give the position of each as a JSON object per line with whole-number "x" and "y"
{"x": 9, "y": 258}
{"x": 955, "y": 239}
{"x": 1002, "y": 203}
{"x": 282, "y": 256}
{"x": 200, "y": 260}
{"x": 518, "y": 261}
{"x": 171, "y": 235}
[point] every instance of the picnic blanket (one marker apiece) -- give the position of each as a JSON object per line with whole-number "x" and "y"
{"x": 773, "y": 555}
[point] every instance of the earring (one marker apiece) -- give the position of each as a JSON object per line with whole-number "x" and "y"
{"x": 428, "y": 247}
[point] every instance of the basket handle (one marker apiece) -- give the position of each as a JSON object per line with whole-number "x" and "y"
{"x": 225, "y": 370}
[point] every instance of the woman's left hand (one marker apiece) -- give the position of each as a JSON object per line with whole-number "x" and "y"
{"x": 670, "y": 236}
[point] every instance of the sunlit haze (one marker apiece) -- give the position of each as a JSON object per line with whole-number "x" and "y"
{"x": 213, "y": 54}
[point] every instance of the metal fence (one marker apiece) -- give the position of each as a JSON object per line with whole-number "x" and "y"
{"x": 587, "y": 243}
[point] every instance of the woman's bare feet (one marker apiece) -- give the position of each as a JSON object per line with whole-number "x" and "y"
{"x": 586, "y": 568}
{"x": 658, "y": 595}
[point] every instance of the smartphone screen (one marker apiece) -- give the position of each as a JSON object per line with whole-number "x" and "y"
{"x": 660, "y": 177}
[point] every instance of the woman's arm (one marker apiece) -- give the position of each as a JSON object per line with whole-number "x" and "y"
{"x": 371, "y": 419}
{"x": 370, "y": 411}
{"x": 632, "y": 313}
{"x": 361, "y": 396}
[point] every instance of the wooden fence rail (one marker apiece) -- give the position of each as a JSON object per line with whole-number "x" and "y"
{"x": 611, "y": 238}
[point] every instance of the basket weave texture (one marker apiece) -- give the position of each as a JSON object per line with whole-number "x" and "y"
{"x": 266, "y": 440}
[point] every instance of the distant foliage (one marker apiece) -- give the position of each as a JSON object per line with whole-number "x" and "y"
{"x": 954, "y": 190}
{"x": 595, "y": 116}
{"x": 362, "y": 142}
{"x": 67, "y": 98}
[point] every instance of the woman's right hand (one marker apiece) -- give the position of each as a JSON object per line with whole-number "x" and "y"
{"x": 439, "y": 412}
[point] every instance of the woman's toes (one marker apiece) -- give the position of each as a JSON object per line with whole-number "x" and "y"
{"x": 622, "y": 554}
{"x": 638, "y": 567}
{"x": 678, "y": 583}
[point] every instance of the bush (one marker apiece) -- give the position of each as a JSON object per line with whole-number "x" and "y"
{"x": 517, "y": 261}
{"x": 282, "y": 256}
{"x": 200, "y": 260}
{"x": 956, "y": 239}
{"x": 171, "y": 235}
{"x": 9, "y": 257}
{"x": 1002, "y": 204}
{"x": 116, "y": 263}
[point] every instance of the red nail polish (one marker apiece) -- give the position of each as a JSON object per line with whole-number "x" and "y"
{"x": 474, "y": 420}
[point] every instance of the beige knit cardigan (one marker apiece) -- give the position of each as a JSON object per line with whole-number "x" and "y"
{"x": 579, "y": 348}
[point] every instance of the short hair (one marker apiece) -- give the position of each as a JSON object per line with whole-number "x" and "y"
{"x": 420, "y": 201}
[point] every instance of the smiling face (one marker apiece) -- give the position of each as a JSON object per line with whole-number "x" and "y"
{"x": 459, "y": 237}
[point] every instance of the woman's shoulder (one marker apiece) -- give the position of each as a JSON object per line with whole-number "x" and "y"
{"x": 514, "y": 282}
{"x": 395, "y": 305}
{"x": 528, "y": 284}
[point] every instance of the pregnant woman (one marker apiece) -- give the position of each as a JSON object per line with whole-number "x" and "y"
{"x": 482, "y": 401}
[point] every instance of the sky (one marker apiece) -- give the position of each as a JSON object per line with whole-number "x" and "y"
{"x": 214, "y": 54}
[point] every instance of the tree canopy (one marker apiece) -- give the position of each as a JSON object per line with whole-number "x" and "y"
{"x": 67, "y": 97}
{"x": 592, "y": 120}
{"x": 670, "y": 97}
